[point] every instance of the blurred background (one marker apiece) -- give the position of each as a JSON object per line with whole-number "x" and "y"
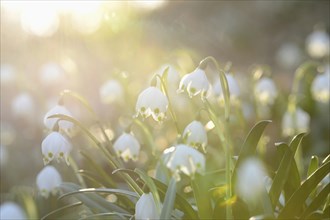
{"x": 48, "y": 46}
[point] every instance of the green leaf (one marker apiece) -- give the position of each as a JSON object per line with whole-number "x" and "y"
{"x": 284, "y": 169}
{"x": 93, "y": 201}
{"x": 98, "y": 169}
{"x": 292, "y": 183}
{"x": 102, "y": 190}
{"x": 200, "y": 189}
{"x": 326, "y": 159}
{"x": 295, "y": 203}
{"x": 249, "y": 146}
{"x": 78, "y": 97}
{"x": 60, "y": 210}
{"x": 317, "y": 202}
{"x": 107, "y": 215}
{"x": 152, "y": 187}
{"x": 169, "y": 200}
{"x": 313, "y": 165}
{"x": 180, "y": 202}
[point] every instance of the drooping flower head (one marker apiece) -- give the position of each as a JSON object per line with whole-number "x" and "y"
{"x": 187, "y": 160}
{"x": 152, "y": 102}
{"x": 321, "y": 87}
{"x": 318, "y": 44}
{"x": 195, "y": 83}
{"x": 48, "y": 181}
{"x": 250, "y": 179}
{"x": 23, "y": 105}
{"x": 111, "y": 91}
{"x": 10, "y": 210}
{"x": 295, "y": 123}
{"x": 195, "y": 135}
{"x": 265, "y": 91}
{"x": 145, "y": 208}
{"x": 55, "y": 145}
{"x": 173, "y": 76}
{"x": 50, "y": 122}
{"x": 127, "y": 147}
{"x": 234, "y": 89}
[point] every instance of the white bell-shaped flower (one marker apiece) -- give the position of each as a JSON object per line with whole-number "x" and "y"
{"x": 58, "y": 109}
{"x": 127, "y": 147}
{"x": 195, "y": 83}
{"x": 265, "y": 91}
{"x": 289, "y": 55}
{"x": 10, "y": 210}
{"x": 195, "y": 135}
{"x": 318, "y": 44}
{"x": 111, "y": 91}
{"x": 51, "y": 74}
{"x": 23, "y": 105}
{"x": 55, "y": 145}
{"x": 234, "y": 89}
{"x": 145, "y": 208}
{"x": 321, "y": 87}
{"x": 152, "y": 101}
{"x": 7, "y": 74}
{"x": 173, "y": 76}
{"x": 295, "y": 123}
{"x": 187, "y": 160}
{"x": 250, "y": 179}
{"x": 48, "y": 181}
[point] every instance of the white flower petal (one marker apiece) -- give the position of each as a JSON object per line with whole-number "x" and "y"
{"x": 187, "y": 160}
{"x": 265, "y": 91}
{"x": 127, "y": 147}
{"x": 195, "y": 134}
{"x": 195, "y": 83}
{"x": 145, "y": 207}
{"x": 10, "y": 210}
{"x": 321, "y": 87}
{"x": 50, "y": 122}
{"x": 302, "y": 122}
{"x": 48, "y": 180}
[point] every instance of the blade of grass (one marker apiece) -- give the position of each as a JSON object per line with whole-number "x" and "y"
{"x": 169, "y": 200}
{"x": 295, "y": 203}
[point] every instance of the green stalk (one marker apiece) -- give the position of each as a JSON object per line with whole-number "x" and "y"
{"x": 76, "y": 172}
{"x": 226, "y": 148}
{"x": 112, "y": 161}
{"x": 293, "y": 102}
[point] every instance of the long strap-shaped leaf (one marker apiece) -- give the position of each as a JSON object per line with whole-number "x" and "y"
{"x": 250, "y": 145}
{"x": 180, "y": 202}
{"x": 102, "y": 190}
{"x": 169, "y": 200}
{"x": 317, "y": 202}
{"x": 284, "y": 169}
{"x": 299, "y": 197}
{"x": 93, "y": 201}
{"x": 292, "y": 183}
{"x": 60, "y": 210}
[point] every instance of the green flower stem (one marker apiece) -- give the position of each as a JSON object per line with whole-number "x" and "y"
{"x": 223, "y": 82}
{"x": 76, "y": 171}
{"x": 170, "y": 107}
{"x": 293, "y": 101}
{"x": 112, "y": 161}
{"x": 225, "y": 143}
{"x": 147, "y": 134}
